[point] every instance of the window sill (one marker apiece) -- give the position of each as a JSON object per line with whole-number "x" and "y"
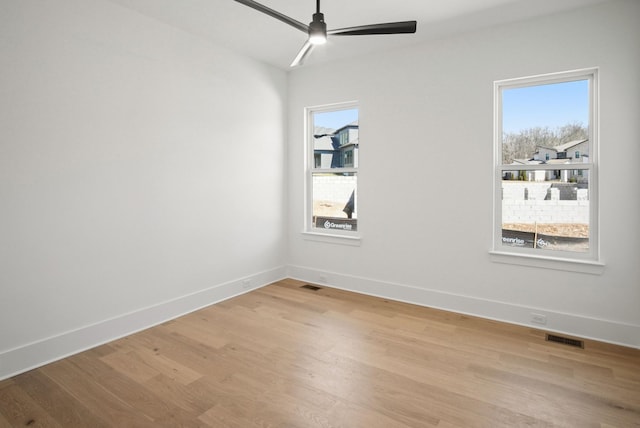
{"x": 351, "y": 240}
{"x": 570, "y": 265}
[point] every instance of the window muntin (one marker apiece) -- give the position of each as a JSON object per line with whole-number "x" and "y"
{"x": 545, "y": 151}
{"x": 332, "y": 175}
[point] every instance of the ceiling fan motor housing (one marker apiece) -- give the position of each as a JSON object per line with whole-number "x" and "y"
{"x": 318, "y": 29}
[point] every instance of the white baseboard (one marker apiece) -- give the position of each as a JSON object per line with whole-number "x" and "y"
{"x": 570, "y": 324}
{"x": 36, "y": 354}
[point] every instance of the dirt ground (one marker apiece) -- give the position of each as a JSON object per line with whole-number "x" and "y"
{"x": 329, "y": 209}
{"x": 569, "y": 230}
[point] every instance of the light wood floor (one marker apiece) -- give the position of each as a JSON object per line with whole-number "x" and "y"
{"x": 283, "y": 356}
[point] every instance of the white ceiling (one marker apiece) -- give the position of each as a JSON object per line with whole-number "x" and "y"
{"x": 262, "y": 37}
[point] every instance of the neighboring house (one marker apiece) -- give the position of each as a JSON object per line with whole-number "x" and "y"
{"x": 337, "y": 150}
{"x": 571, "y": 150}
{"x": 566, "y": 153}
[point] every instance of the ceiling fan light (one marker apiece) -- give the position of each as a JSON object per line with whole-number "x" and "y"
{"x": 317, "y": 39}
{"x": 318, "y": 30}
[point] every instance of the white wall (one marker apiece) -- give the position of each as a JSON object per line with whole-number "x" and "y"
{"x": 438, "y": 98}
{"x": 141, "y": 175}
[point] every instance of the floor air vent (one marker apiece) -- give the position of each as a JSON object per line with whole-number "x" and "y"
{"x": 565, "y": 341}
{"x": 311, "y": 287}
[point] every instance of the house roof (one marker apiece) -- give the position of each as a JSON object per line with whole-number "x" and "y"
{"x": 351, "y": 143}
{"x": 323, "y": 143}
{"x": 547, "y": 148}
{"x": 525, "y": 162}
{"x": 558, "y": 161}
{"x": 566, "y": 146}
{"x": 350, "y": 125}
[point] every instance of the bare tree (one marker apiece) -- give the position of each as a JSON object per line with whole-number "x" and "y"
{"x": 524, "y": 144}
{"x": 572, "y": 132}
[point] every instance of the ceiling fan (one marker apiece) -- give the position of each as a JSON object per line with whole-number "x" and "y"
{"x": 317, "y": 28}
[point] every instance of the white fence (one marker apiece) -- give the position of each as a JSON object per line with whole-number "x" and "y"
{"x": 333, "y": 187}
{"x": 525, "y": 202}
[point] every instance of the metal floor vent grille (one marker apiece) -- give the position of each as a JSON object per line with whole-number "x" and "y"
{"x": 565, "y": 341}
{"x": 311, "y": 287}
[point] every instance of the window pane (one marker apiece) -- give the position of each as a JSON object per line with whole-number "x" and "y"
{"x": 546, "y": 209}
{"x": 335, "y": 139}
{"x": 334, "y": 201}
{"x": 539, "y": 121}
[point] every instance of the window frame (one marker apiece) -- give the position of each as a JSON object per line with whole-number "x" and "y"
{"x": 315, "y": 233}
{"x": 588, "y": 262}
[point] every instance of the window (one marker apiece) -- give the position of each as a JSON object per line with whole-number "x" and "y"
{"x": 332, "y": 175}
{"x": 545, "y": 179}
{"x": 348, "y": 158}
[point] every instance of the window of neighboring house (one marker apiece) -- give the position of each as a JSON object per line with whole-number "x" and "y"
{"x": 348, "y": 158}
{"x": 545, "y": 168}
{"x": 344, "y": 137}
{"x": 332, "y": 174}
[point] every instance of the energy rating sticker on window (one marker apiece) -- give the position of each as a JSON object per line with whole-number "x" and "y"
{"x": 332, "y": 180}
{"x": 545, "y": 157}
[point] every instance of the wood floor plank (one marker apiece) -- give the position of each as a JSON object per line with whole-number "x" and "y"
{"x": 106, "y": 406}
{"x": 57, "y": 402}
{"x": 144, "y": 401}
{"x": 19, "y": 409}
{"x": 4, "y": 422}
{"x": 285, "y": 356}
{"x": 131, "y": 364}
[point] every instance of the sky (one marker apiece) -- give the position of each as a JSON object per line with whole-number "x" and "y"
{"x": 552, "y": 106}
{"x": 335, "y": 119}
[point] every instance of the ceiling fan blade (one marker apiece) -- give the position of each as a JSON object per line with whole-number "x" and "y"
{"x": 403, "y": 27}
{"x": 275, "y": 14}
{"x": 304, "y": 51}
